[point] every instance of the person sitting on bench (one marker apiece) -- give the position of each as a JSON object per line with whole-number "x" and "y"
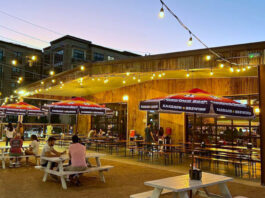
{"x": 77, "y": 155}
{"x": 49, "y": 151}
{"x": 15, "y": 150}
{"x": 33, "y": 147}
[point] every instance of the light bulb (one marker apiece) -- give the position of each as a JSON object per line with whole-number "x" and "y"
{"x": 190, "y": 41}
{"x": 188, "y": 75}
{"x": 139, "y": 80}
{"x": 134, "y": 78}
{"x": 34, "y": 58}
{"x": 249, "y": 67}
{"x": 152, "y": 77}
{"x": 243, "y": 69}
{"x": 208, "y": 57}
{"x": 221, "y": 65}
{"x": 161, "y": 13}
{"x": 124, "y": 82}
{"x": 238, "y": 70}
{"x": 211, "y": 73}
{"x": 164, "y": 74}
{"x": 159, "y": 75}
{"x": 128, "y": 73}
{"x": 231, "y": 69}
{"x": 14, "y": 62}
{"x": 51, "y": 73}
{"x": 82, "y": 68}
{"x": 42, "y": 82}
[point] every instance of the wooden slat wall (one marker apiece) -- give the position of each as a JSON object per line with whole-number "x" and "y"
{"x": 157, "y": 88}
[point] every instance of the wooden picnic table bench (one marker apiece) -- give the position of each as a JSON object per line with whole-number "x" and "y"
{"x": 62, "y": 173}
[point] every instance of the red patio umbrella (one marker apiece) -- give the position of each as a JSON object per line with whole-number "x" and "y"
{"x": 20, "y": 108}
{"x": 197, "y": 101}
{"x": 76, "y": 106}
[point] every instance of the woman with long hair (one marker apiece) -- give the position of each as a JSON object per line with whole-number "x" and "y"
{"x": 10, "y": 132}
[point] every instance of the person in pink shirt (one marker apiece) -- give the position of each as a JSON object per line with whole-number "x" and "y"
{"x": 77, "y": 155}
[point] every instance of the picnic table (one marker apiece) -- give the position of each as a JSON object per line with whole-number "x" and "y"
{"x": 62, "y": 173}
{"x": 182, "y": 185}
{"x": 2, "y": 156}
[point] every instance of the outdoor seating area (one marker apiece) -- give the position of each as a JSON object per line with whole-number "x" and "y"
{"x": 174, "y": 108}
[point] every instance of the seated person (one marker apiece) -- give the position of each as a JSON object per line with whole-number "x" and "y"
{"x": 49, "y": 151}
{"x": 16, "y": 149}
{"x": 77, "y": 155}
{"x": 33, "y": 147}
{"x": 101, "y": 133}
{"x": 91, "y": 133}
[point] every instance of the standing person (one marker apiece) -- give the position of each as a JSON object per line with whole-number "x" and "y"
{"x": 49, "y": 131}
{"x": 77, "y": 155}
{"x": 49, "y": 151}
{"x": 20, "y": 130}
{"x": 16, "y": 149}
{"x": 149, "y": 138}
{"x": 33, "y": 147}
{"x": 10, "y": 132}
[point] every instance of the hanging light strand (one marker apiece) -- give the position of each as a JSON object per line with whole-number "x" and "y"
{"x": 193, "y": 35}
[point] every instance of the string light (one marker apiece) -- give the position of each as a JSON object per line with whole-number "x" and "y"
{"x": 222, "y": 65}
{"x": 161, "y": 13}
{"x": 20, "y": 78}
{"x": 231, "y": 69}
{"x": 154, "y": 74}
{"x": 128, "y": 73}
{"x": 139, "y": 80}
{"x": 243, "y": 69}
{"x": 53, "y": 80}
{"x": 238, "y": 70}
{"x": 190, "y": 40}
{"x": 42, "y": 82}
{"x": 106, "y": 81}
{"x": 152, "y": 77}
{"x": 191, "y": 33}
{"x": 93, "y": 79}
{"x": 164, "y": 74}
{"x": 82, "y": 68}
{"x": 61, "y": 82}
{"x": 187, "y": 74}
{"x": 134, "y": 78}
{"x": 98, "y": 79}
{"x": 159, "y": 75}
{"x": 211, "y": 73}
{"x": 249, "y": 67}
{"x": 124, "y": 82}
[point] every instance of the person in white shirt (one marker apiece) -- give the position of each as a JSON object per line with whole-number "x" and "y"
{"x": 10, "y": 132}
{"x": 49, "y": 151}
{"x": 33, "y": 147}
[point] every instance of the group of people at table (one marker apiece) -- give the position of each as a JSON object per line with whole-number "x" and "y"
{"x": 77, "y": 152}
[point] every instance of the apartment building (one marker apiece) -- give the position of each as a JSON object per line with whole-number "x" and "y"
{"x": 19, "y": 65}
{"x": 68, "y": 52}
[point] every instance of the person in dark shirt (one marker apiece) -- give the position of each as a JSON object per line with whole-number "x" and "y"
{"x": 148, "y": 134}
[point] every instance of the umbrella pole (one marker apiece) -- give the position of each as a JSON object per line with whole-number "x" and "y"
{"x": 193, "y": 131}
{"x": 76, "y": 126}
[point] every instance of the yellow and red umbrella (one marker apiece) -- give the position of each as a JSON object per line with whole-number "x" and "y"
{"x": 20, "y": 108}
{"x": 76, "y": 105}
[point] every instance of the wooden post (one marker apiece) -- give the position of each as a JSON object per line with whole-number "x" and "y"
{"x": 261, "y": 78}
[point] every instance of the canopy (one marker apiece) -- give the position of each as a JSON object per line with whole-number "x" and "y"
{"x": 197, "y": 101}
{"x": 76, "y": 105}
{"x": 20, "y": 108}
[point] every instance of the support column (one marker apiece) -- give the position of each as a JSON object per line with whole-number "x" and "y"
{"x": 261, "y": 77}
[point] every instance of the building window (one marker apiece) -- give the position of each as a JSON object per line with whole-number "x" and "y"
{"x": 15, "y": 69}
{"x": 13, "y": 85}
{"x": 58, "y": 58}
{"x": 18, "y": 57}
{"x": 98, "y": 57}
{"x": 1, "y": 55}
{"x": 78, "y": 55}
{"x": 110, "y": 58}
